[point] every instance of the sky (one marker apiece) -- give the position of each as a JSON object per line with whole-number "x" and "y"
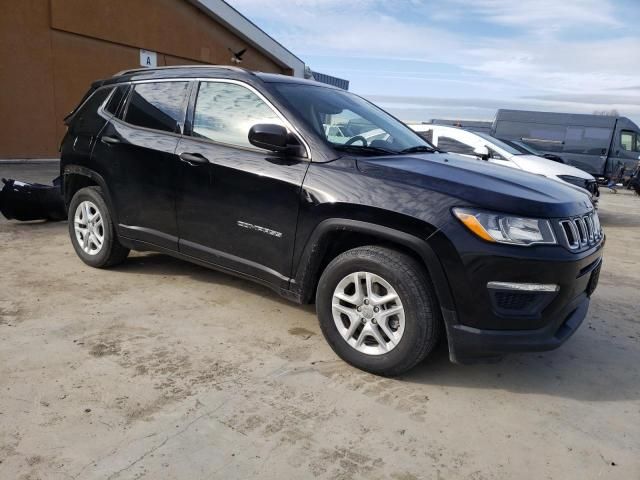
{"x": 463, "y": 59}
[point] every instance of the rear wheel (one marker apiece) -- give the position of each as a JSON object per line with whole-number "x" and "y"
{"x": 377, "y": 310}
{"x": 92, "y": 231}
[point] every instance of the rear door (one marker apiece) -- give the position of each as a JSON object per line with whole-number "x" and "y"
{"x": 237, "y": 206}
{"x": 140, "y": 146}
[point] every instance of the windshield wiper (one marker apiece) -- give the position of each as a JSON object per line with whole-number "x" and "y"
{"x": 363, "y": 149}
{"x": 420, "y": 148}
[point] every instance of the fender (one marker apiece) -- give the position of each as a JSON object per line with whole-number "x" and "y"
{"x": 319, "y": 241}
{"x": 95, "y": 177}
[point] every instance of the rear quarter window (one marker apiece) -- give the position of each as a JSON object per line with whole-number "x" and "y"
{"x": 116, "y": 99}
{"x": 87, "y": 120}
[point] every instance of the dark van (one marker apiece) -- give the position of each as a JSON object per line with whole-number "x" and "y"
{"x": 597, "y": 144}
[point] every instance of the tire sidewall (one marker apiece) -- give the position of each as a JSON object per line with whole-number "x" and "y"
{"x": 93, "y": 195}
{"x": 415, "y": 309}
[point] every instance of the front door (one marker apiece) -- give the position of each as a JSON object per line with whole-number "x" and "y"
{"x": 237, "y": 205}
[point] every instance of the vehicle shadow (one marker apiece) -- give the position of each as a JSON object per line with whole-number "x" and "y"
{"x": 152, "y": 263}
{"x": 586, "y": 368}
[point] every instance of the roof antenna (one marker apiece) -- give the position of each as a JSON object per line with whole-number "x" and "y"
{"x": 236, "y": 57}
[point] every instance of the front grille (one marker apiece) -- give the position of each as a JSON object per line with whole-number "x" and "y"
{"x": 583, "y": 231}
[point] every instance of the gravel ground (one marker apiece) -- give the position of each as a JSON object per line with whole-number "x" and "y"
{"x": 162, "y": 369}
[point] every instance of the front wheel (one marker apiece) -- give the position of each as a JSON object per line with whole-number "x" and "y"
{"x": 91, "y": 229}
{"x": 377, "y": 310}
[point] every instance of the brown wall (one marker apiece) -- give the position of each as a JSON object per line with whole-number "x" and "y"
{"x": 51, "y": 50}
{"x": 26, "y": 81}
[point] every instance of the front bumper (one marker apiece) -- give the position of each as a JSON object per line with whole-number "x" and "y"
{"x": 486, "y": 322}
{"x": 469, "y": 344}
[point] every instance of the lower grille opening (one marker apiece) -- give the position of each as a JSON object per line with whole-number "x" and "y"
{"x": 510, "y": 302}
{"x": 514, "y": 301}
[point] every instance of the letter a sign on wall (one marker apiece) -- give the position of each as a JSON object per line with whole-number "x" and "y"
{"x": 148, "y": 58}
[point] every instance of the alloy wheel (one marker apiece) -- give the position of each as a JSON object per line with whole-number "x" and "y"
{"x": 368, "y": 313}
{"x": 89, "y": 227}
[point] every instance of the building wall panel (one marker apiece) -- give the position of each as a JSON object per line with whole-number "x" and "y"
{"x": 78, "y": 61}
{"x": 52, "y": 50}
{"x": 173, "y": 27}
{"x": 26, "y": 81}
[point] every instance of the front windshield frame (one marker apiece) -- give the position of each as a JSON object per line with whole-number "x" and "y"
{"x": 380, "y": 120}
{"x": 499, "y": 143}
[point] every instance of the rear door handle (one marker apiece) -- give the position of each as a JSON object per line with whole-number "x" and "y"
{"x": 109, "y": 140}
{"x": 194, "y": 159}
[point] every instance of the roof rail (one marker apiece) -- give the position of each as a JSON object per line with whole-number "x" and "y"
{"x": 150, "y": 69}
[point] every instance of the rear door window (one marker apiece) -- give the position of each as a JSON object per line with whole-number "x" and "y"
{"x": 160, "y": 106}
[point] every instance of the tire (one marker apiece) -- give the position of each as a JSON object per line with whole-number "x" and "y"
{"x": 90, "y": 201}
{"x": 419, "y": 330}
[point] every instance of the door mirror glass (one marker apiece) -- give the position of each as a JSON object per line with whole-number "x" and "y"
{"x": 269, "y": 136}
{"x": 481, "y": 152}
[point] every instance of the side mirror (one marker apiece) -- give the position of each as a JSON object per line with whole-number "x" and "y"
{"x": 269, "y": 136}
{"x": 481, "y": 152}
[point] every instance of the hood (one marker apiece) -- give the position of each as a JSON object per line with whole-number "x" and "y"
{"x": 480, "y": 184}
{"x": 548, "y": 168}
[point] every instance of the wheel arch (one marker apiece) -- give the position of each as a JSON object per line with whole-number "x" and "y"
{"x": 75, "y": 177}
{"x": 336, "y": 235}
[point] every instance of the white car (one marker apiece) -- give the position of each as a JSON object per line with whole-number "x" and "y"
{"x": 339, "y": 134}
{"x": 484, "y": 146}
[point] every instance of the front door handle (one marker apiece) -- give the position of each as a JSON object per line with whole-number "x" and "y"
{"x": 194, "y": 159}
{"x": 109, "y": 140}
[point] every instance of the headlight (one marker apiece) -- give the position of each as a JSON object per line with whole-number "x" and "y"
{"x": 497, "y": 227}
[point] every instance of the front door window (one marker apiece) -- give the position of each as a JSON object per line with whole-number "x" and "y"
{"x": 225, "y": 112}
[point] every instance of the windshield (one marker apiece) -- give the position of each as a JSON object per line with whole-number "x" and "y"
{"x": 348, "y": 122}
{"x": 500, "y": 144}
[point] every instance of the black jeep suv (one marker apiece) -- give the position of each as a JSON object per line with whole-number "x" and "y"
{"x": 398, "y": 244}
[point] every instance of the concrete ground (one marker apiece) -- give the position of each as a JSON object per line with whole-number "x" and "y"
{"x": 162, "y": 369}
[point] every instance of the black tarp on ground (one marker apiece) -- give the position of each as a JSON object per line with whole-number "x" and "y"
{"x": 32, "y": 201}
